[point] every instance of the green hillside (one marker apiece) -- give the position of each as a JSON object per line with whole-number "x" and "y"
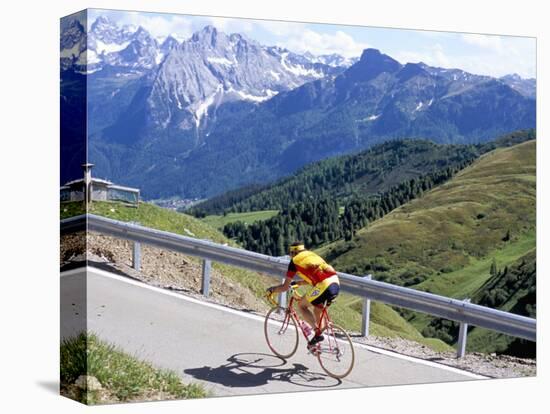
{"x": 446, "y": 241}
{"x": 331, "y": 199}
{"x": 513, "y": 289}
{"x": 218, "y": 221}
{"x": 366, "y": 172}
{"x": 464, "y": 219}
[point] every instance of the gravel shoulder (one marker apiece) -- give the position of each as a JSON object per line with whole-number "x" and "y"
{"x": 180, "y": 273}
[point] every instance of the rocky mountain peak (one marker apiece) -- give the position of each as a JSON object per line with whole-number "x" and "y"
{"x": 103, "y": 27}
{"x": 208, "y": 34}
{"x": 102, "y": 21}
{"x": 373, "y": 58}
{"x": 169, "y": 43}
{"x": 73, "y": 33}
{"x": 411, "y": 70}
{"x": 143, "y": 36}
{"x": 371, "y": 64}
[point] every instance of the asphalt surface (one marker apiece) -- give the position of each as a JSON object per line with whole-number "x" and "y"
{"x": 223, "y": 349}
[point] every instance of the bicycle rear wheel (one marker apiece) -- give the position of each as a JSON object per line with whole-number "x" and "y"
{"x": 281, "y": 332}
{"x": 336, "y": 354}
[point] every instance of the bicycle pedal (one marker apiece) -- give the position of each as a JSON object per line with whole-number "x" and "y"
{"x": 314, "y": 350}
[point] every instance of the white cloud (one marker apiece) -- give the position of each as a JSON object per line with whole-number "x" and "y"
{"x": 299, "y": 38}
{"x": 322, "y": 43}
{"x": 160, "y": 26}
{"x": 433, "y": 56}
{"x": 495, "y": 63}
{"x": 281, "y": 28}
{"x": 492, "y": 42}
{"x": 230, "y": 25}
{"x": 501, "y": 55}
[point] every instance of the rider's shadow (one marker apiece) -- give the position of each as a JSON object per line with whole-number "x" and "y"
{"x": 253, "y": 370}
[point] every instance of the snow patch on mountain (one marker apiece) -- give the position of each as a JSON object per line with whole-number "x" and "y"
{"x": 101, "y": 47}
{"x": 255, "y": 98}
{"x": 220, "y": 61}
{"x": 297, "y": 69}
{"x": 369, "y": 118}
{"x": 202, "y": 109}
{"x": 275, "y": 75}
{"x": 159, "y": 57}
{"x": 92, "y": 58}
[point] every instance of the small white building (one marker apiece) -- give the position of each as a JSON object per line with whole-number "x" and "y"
{"x": 100, "y": 190}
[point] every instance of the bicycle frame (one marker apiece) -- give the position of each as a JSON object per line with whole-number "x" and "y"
{"x": 291, "y": 312}
{"x": 336, "y": 347}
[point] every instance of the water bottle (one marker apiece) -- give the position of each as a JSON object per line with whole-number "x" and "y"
{"x": 305, "y": 327}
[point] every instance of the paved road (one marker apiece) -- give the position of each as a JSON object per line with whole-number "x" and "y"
{"x": 223, "y": 349}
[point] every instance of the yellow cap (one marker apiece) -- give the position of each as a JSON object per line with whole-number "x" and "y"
{"x": 297, "y": 248}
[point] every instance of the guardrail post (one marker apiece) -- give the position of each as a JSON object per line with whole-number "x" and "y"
{"x": 136, "y": 256}
{"x": 366, "y": 314}
{"x": 136, "y": 252}
{"x": 282, "y": 298}
{"x": 462, "y": 336}
{"x": 206, "y": 267}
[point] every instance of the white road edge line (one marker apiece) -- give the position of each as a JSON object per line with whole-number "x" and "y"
{"x": 260, "y": 318}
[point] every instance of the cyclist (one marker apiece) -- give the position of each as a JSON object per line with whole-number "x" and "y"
{"x": 314, "y": 271}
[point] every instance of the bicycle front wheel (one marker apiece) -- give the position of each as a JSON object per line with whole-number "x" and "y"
{"x": 281, "y": 332}
{"x": 335, "y": 353}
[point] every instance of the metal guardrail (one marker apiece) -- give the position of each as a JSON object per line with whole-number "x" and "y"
{"x": 436, "y": 305}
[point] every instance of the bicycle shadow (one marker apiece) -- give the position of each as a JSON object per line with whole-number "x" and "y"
{"x": 254, "y": 370}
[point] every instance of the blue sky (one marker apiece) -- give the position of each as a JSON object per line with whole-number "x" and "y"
{"x": 476, "y": 53}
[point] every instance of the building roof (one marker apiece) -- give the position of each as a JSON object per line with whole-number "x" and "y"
{"x": 107, "y": 183}
{"x": 94, "y": 180}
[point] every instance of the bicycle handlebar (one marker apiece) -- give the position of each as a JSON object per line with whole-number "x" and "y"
{"x": 270, "y": 296}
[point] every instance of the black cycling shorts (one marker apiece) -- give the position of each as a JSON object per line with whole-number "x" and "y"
{"x": 327, "y": 296}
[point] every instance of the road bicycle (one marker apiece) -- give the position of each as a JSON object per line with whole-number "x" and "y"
{"x": 283, "y": 324}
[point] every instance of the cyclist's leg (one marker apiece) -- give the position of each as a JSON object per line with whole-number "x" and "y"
{"x": 324, "y": 297}
{"x": 318, "y": 312}
{"x": 316, "y": 297}
{"x": 304, "y": 307}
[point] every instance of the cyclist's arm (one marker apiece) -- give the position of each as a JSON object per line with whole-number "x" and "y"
{"x": 282, "y": 288}
{"x": 291, "y": 271}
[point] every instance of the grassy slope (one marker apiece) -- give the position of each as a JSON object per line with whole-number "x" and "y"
{"x": 491, "y": 341}
{"x": 462, "y": 220}
{"x": 464, "y": 282}
{"x": 218, "y": 222}
{"x": 453, "y": 233}
{"x": 123, "y": 377}
{"x": 149, "y": 215}
{"x": 384, "y": 321}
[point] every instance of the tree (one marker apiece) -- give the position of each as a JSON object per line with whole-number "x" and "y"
{"x": 493, "y": 270}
